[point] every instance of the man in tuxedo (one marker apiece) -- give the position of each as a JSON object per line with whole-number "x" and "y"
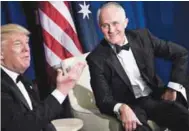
{"x": 123, "y": 77}
{"x": 21, "y": 109}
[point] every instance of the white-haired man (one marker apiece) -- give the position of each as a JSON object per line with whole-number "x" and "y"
{"x": 123, "y": 76}
{"x": 21, "y": 109}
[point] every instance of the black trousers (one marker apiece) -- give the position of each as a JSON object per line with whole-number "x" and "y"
{"x": 165, "y": 113}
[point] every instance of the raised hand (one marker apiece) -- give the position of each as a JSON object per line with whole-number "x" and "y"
{"x": 67, "y": 81}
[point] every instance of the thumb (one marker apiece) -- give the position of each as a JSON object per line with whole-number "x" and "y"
{"x": 138, "y": 122}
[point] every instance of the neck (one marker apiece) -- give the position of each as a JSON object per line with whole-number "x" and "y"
{"x": 125, "y": 41}
{"x": 11, "y": 69}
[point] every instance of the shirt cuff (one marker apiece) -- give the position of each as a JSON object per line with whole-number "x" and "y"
{"x": 116, "y": 107}
{"x": 175, "y": 86}
{"x": 59, "y": 96}
{"x": 178, "y": 87}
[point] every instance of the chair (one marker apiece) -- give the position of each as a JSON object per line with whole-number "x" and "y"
{"x": 83, "y": 105}
{"x": 68, "y": 124}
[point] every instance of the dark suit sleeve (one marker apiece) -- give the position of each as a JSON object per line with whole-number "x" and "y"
{"x": 17, "y": 118}
{"x": 174, "y": 52}
{"x": 101, "y": 89}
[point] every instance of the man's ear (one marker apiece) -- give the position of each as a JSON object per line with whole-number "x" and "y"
{"x": 126, "y": 22}
{"x": 2, "y": 55}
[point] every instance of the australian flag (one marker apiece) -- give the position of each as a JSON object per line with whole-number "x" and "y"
{"x": 85, "y": 26}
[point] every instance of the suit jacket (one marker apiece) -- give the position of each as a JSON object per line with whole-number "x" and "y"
{"x": 16, "y": 114}
{"x": 111, "y": 84}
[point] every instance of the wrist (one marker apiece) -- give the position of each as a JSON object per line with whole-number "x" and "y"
{"x": 123, "y": 108}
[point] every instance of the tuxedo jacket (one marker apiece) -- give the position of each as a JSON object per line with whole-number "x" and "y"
{"x": 110, "y": 82}
{"x": 16, "y": 114}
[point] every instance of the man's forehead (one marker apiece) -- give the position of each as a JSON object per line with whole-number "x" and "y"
{"x": 110, "y": 8}
{"x": 19, "y": 36}
{"x": 109, "y": 12}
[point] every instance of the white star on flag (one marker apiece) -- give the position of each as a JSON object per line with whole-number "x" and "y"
{"x": 84, "y": 10}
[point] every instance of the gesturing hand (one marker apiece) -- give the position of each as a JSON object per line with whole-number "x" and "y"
{"x": 66, "y": 82}
{"x": 129, "y": 119}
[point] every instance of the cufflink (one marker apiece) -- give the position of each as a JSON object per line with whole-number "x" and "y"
{"x": 181, "y": 86}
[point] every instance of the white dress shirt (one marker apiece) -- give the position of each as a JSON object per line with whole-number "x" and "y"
{"x": 139, "y": 86}
{"x": 128, "y": 63}
{"x": 13, "y": 75}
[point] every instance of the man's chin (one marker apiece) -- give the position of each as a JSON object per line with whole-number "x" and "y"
{"x": 115, "y": 42}
{"x": 26, "y": 66}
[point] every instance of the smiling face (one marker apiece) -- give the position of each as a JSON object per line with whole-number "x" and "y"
{"x": 15, "y": 52}
{"x": 113, "y": 23}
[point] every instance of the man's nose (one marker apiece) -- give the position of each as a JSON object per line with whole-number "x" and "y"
{"x": 26, "y": 47}
{"x": 111, "y": 28}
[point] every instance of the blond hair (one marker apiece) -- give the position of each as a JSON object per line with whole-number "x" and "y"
{"x": 12, "y": 28}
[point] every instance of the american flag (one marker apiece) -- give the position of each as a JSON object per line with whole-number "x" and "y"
{"x": 59, "y": 32}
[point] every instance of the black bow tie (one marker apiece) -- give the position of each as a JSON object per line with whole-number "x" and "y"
{"x": 124, "y": 47}
{"x": 20, "y": 78}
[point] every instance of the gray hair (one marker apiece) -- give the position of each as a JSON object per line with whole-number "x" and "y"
{"x": 110, "y": 4}
{"x": 12, "y": 28}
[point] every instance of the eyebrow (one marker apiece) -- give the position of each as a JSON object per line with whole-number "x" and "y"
{"x": 27, "y": 40}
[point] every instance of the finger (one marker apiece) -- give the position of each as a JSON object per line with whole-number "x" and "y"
{"x": 129, "y": 126}
{"x": 134, "y": 125}
{"x": 77, "y": 68}
{"x": 138, "y": 122}
{"x": 124, "y": 126}
{"x": 81, "y": 65}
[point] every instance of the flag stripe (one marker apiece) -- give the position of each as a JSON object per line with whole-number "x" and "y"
{"x": 67, "y": 4}
{"x": 51, "y": 58}
{"x": 62, "y": 19}
{"x": 63, "y": 10}
{"x": 58, "y": 34}
{"x": 54, "y": 45}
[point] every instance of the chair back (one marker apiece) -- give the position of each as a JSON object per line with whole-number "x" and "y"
{"x": 81, "y": 97}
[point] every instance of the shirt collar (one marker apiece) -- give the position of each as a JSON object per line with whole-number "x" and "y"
{"x": 12, "y": 75}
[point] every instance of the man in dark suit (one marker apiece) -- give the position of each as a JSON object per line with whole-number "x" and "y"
{"x": 123, "y": 77}
{"x": 21, "y": 109}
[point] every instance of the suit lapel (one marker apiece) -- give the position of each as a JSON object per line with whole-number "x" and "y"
{"x": 113, "y": 61}
{"x": 33, "y": 95}
{"x": 13, "y": 87}
{"x": 138, "y": 52}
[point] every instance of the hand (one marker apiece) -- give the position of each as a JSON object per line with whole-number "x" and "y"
{"x": 129, "y": 119}
{"x": 169, "y": 94}
{"x": 66, "y": 82}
